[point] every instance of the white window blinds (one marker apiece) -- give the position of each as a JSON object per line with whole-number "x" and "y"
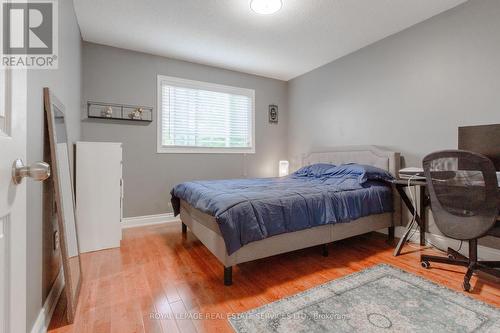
{"x": 204, "y": 117}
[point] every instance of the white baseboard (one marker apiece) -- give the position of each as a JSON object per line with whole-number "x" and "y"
{"x": 442, "y": 242}
{"x": 140, "y": 221}
{"x": 43, "y": 320}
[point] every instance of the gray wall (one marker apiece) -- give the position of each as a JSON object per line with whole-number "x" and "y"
{"x": 43, "y": 263}
{"x": 409, "y": 91}
{"x": 121, "y": 76}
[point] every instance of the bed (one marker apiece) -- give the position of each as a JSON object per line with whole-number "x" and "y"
{"x": 252, "y": 215}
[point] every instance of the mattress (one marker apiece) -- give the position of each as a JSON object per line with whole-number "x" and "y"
{"x": 249, "y": 210}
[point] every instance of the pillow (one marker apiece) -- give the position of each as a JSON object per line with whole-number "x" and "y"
{"x": 361, "y": 172}
{"x": 315, "y": 170}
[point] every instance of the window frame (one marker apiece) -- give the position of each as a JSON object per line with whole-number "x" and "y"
{"x": 161, "y": 149}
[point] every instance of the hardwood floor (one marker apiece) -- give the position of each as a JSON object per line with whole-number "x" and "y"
{"x": 158, "y": 276}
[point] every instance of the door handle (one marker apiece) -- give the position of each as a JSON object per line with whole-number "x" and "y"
{"x": 39, "y": 171}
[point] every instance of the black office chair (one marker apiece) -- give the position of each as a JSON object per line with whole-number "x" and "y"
{"x": 464, "y": 195}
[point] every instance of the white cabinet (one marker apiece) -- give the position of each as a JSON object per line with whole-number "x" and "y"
{"x": 99, "y": 195}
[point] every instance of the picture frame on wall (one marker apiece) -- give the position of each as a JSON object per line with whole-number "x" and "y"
{"x": 273, "y": 114}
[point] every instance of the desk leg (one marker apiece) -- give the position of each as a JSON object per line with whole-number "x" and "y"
{"x": 422, "y": 226}
{"x": 412, "y": 210}
{"x": 402, "y": 240}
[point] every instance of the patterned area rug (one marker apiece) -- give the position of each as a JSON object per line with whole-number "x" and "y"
{"x": 378, "y": 299}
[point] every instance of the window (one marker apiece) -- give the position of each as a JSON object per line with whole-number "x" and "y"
{"x": 201, "y": 117}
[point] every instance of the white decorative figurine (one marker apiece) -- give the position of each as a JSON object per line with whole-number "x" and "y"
{"x": 108, "y": 112}
{"x": 137, "y": 114}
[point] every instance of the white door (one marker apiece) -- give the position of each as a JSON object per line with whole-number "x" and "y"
{"x": 13, "y": 90}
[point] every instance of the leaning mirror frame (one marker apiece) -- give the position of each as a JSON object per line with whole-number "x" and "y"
{"x": 72, "y": 288}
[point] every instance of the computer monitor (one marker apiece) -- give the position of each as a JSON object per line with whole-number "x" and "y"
{"x": 482, "y": 139}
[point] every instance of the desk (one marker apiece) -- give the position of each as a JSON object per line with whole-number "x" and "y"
{"x": 400, "y": 185}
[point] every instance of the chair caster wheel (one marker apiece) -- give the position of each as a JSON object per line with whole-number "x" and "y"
{"x": 466, "y": 286}
{"x": 425, "y": 264}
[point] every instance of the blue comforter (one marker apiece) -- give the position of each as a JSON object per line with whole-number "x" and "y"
{"x": 249, "y": 210}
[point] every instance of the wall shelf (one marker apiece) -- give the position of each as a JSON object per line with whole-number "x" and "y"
{"x": 110, "y": 111}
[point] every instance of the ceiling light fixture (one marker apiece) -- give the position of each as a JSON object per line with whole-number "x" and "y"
{"x": 266, "y": 7}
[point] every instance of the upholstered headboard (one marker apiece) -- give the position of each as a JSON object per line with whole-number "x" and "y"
{"x": 370, "y": 155}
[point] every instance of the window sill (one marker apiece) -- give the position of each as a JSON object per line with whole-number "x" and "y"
{"x": 204, "y": 150}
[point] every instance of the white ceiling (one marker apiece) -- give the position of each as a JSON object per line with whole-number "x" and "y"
{"x": 303, "y": 35}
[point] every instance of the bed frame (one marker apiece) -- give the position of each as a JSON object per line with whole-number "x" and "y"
{"x": 205, "y": 228}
